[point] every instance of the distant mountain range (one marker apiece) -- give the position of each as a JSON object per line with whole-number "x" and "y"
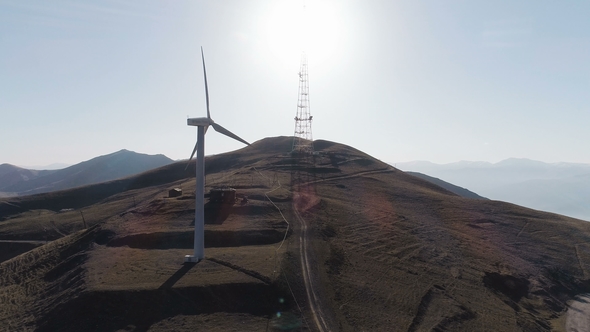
{"x": 54, "y": 166}
{"x": 562, "y": 188}
{"x": 18, "y": 181}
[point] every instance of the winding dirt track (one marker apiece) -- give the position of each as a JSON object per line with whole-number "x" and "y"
{"x": 314, "y": 303}
{"x": 353, "y": 175}
{"x": 312, "y": 297}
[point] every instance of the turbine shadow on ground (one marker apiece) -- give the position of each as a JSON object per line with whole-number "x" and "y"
{"x": 177, "y": 275}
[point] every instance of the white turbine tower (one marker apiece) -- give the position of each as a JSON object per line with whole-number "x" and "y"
{"x": 202, "y": 124}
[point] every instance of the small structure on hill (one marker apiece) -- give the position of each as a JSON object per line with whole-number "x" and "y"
{"x": 244, "y": 200}
{"x": 222, "y": 196}
{"x": 175, "y": 192}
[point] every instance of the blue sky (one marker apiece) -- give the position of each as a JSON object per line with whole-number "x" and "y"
{"x": 401, "y": 80}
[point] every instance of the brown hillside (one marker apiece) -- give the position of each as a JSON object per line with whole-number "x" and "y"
{"x": 367, "y": 247}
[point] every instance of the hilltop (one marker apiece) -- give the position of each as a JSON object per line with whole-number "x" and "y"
{"x": 19, "y": 181}
{"x": 334, "y": 241}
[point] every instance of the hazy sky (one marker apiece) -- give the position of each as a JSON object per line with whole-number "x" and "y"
{"x": 401, "y": 80}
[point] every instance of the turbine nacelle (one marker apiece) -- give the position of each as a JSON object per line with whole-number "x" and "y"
{"x": 199, "y": 122}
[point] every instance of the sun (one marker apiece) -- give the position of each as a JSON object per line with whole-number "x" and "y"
{"x": 295, "y": 26}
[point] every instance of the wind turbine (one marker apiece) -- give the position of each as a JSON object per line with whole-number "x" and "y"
{"x": 202, "y": 124}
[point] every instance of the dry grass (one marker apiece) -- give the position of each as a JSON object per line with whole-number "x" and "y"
{"x": 416, "y": 258}
{"x": 47, "y": 273}
{"x": 391, "y": 253}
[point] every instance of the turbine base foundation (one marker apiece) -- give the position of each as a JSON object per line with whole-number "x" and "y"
{"x": 191, "y": 259}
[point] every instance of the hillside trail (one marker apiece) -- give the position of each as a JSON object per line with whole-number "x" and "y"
{"x": 578, "y": 314}
{"x": 312, "y": 298}
{"x": 308, "y": 279}
{"x": 347, "y": 176}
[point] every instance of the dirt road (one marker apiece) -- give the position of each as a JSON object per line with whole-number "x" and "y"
{"x": 353, "y": 175}
{"x": 314, "y": 303}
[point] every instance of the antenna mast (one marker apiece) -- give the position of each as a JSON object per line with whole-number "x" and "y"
{"x": 303, "y": 141}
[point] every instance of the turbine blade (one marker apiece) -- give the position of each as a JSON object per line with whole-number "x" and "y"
{"x": 218, "y": 128}
{"x": 206, "y": 87}
{"x": 192, "y": 155}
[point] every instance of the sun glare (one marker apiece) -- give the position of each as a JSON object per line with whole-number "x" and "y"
{"x": 294, "y": 27}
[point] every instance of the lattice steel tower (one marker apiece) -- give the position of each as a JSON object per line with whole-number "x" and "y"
{"x": 303, "y": 141}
